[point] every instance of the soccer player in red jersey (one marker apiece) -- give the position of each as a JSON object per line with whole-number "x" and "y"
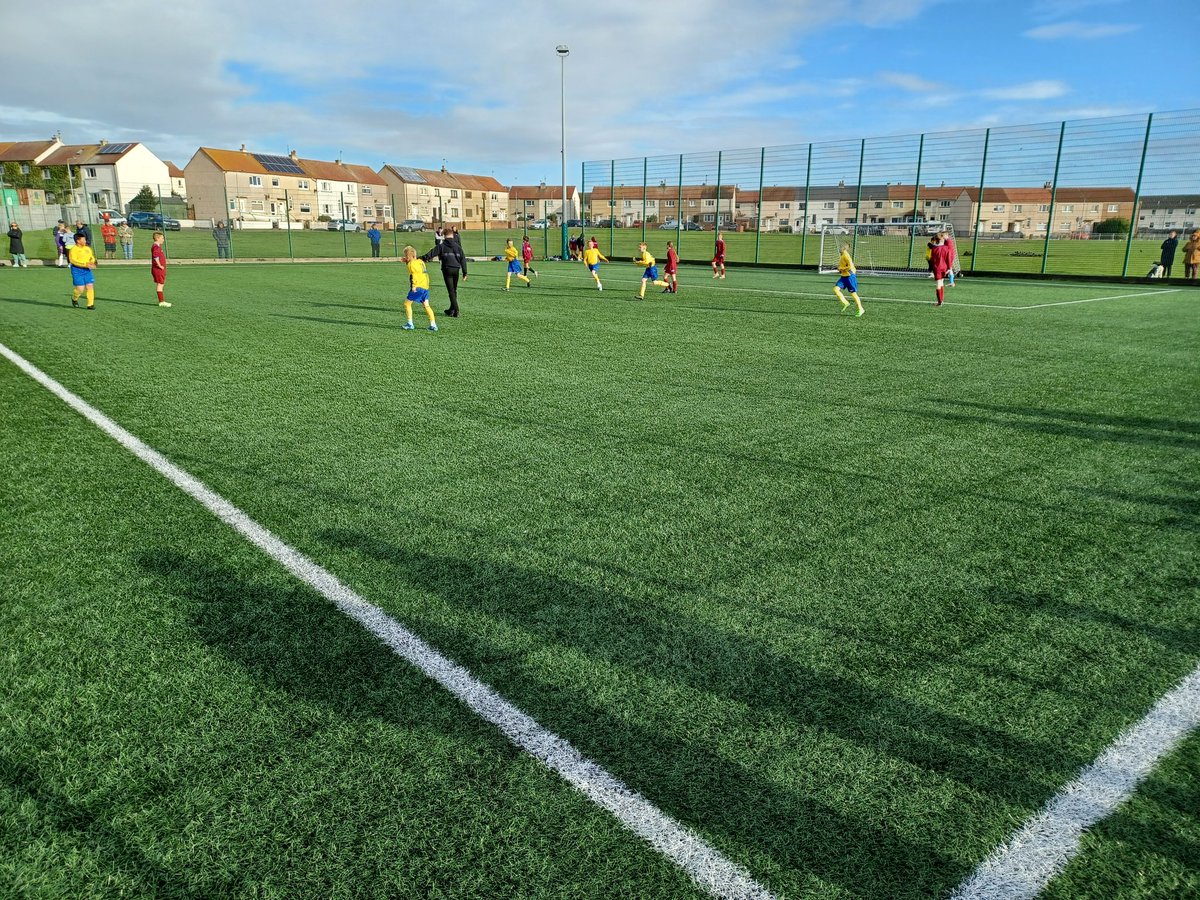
{"x": 671, "y": 270}
{"x": 941, "y": 258}
{"x": 527, "y": 257}
{"x": 718, "y": 260}
{"x": 158, "y": 267}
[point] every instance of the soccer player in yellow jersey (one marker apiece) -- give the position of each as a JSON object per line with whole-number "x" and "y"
{"x": 591, "y": 259}
{"x": 418, "y": 289}
{"x": 651, "y": 273}
{"x": 83, "y": 277}
{"x": 847, "y": 280}
{"x": 511, "y": 255}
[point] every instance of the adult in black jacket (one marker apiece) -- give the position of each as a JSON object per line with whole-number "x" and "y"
{"x": 1167, "y": 258}
{"x": 454, "y": 263}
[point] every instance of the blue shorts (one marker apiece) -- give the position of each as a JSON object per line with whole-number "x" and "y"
{"x": 594, "y": 267}
{"x": 650, "y": 273}
{"x": 82, "y": 277}
{"x": 418, "y": 295}
{"x": 514, "y": 267}
{"x": 849, "y": 282}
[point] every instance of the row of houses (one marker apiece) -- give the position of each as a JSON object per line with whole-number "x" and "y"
{"x": 219, "y": 184}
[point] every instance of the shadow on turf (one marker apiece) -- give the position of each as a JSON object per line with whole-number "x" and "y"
{"x": 386, "y": 309}
{"x": 549, "y": 615}
{"x": 1068, "y": 423}
{"x": 392, "y": 325}
{"x": 114, "y": 850}
{"x": 754, "y": 309}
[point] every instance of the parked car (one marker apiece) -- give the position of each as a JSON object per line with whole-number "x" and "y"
{"x": 574, "y": 223}
{"x": 344, "y": 225}
{"x": 411, "y": 225}
{"x": 692, "y": 226}
{"x": 152, "y": 221}
{"x": 113, "y": 216}
{"x": 669, "y": 225}
{"x": 837, "y": 229}
{"x": 610, "y": 223}
{"x": 539, "y": 224}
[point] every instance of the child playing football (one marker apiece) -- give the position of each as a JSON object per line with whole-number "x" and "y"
{"x": 418, "y": 292}
{"x": 591, "y": 258}
{"x": 83, "y": 276}
{"x": 940, "y": 262}
{"x": 671, "y": 270}
{"x": 847, "y": 279}
{"x": 651, "y": 272}
{"x": 158, "y": 267}
{"x": 718, "y": 260}
{"x": 514, "y": 267}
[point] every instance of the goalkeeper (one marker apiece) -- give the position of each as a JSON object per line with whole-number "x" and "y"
{"x": 848, "y": 280}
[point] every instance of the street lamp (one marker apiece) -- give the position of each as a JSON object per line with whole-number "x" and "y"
{"x": 562, "y": 52}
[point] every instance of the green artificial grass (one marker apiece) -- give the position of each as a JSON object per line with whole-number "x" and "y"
{"x": 851, "y": 598}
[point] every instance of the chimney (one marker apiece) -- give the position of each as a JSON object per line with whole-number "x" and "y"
{"x": 243, "y": 148}
{"x": 294, "y": 156}
{"x": 1048, "y": 185}
{"x": 103, "y": 142}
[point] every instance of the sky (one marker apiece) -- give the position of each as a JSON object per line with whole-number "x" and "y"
{"x": 476, "y": 85}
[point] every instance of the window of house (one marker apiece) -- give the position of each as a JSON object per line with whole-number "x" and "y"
{"x": 879, "y": 204}
{"x": 25, "y": 170}
{"x": 45, "y": 174}
{"x": 897, "y": 204}
{"x": 466, "y": 195}
{"x": 306, "y": 207}
{"x": 1017, "y": 207}
{"x": 895, "y": 219}
{"x": 274, "y": 182}
{"x": 1064, "y": 226}
{"x": 232, "y": 204}
{"x": 303, "y": 184}
{"x": 349, "y": 189}
{"x": 708, "y": 217}
{"x": 710, "y": 202}
{"x": 1043, "y": 207}
{"x": 853, "y": 204}
{"x": 1192, "y": 211}
{"x": 783, "y": 222}
{"x": 691, "y": 204}
{"x": 256, "y": 206}
{"x": 825, "y": 221}
{"x": 627, "y": 204}
{"x": 96, "y": 198}
{"x": 454, "y": 194}
{"x": 945, "y": 204}
{"x": 454, "y": 212}
{"x": 1095, "y": 207}
{"x": 91, "y": 173}
{"x": 366, "y": 189}
{"x": 325, "y": 185}
{"x": 999, "y": 207}
{"x": 785, "y": 205}
{"x": 828, "y": 204}
{"x": 325, "y": 210}
{"x": 1041, "y": 226}
{"x": 670, "y": 204}
{"x": 1069, "y": 207}
{"x": 255, "y": 181}
{"x": 997, "y": 226}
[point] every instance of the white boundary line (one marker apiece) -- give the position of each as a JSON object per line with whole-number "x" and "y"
{"x": 1021, "y": 867}
{"x": 704, "y": 863}
{"x": 874, "y": 299}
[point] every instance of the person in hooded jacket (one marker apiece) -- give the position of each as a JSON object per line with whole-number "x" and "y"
{"x": 454, "y": 264}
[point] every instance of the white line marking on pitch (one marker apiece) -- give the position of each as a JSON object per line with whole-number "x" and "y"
{"x": 704, "y": 863}
{"x": 1041, "y": 849}
{"x": 1098, "y": 299}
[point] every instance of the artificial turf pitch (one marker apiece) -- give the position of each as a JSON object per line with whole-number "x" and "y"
{"x": 849, "y": 598}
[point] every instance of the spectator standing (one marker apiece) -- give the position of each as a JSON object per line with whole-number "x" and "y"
{"x": 125, "y": 234}
{"x": 108, "y": 234}
{"x": 1191, "y": 255}
{"x": 221, "y": 235}
{"x": 374, "y": 235}
{"x": 85, "y": 230}
{"x": 16, "y": 246}
{"x": 1167, "y": 258}
{"x": 63, "y": 241}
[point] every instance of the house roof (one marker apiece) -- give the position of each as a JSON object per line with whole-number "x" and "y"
{"x": 365, "y": 174}
{"x": 539, "y": 192}
{"x": 1170, "y": 201}
{"x": 101, "y": 153}
{"x": 234, "y": 161}
{"x": 444, "y": 179}
{"x": 658, "y": 192}
{"x": 327, "y": 171}
{"x": 173, "y": 170}
{"x": 23, "y": 151}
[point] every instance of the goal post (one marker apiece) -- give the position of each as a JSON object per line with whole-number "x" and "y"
{"x": 883, "y": 249}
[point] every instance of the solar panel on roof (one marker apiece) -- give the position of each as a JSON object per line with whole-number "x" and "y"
{"x": 409, "y": 174}
{"x": 114, "y": 148}
{"x": 283, "y": 164}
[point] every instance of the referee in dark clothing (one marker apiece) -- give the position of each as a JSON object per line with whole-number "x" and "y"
{"x": 454, "y": 263}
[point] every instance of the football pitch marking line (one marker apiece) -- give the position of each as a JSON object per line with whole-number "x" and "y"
{"x": 702, "y": 862}
{"x": 872, "y": 299}
{"x": 1026, "y": 863}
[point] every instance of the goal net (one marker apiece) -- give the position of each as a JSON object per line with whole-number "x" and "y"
{"x": 878, "y": 249}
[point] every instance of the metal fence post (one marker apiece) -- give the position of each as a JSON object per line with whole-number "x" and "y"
{"x": 162, "y": 218}
{"x": 1137, "y": 196}
{"x": 612, "y": 206}
{"x": 807, "y": 186}
{"x": 395, "y": 226}
{"x": 717, "y": 216}
{"x": 762, "y": 158}
{"x": 228, "y": 219}
{"x": 679, "y": 213}
{"x": 645, "y": 170}
{"x": 987, "y": 136}
{"x": 1053, "y": 192}
{"x": 342, "y": 207}
{"x": 862, "y": 155}
{"x": 912, "y": 232}
{"x": 287, "y": 218}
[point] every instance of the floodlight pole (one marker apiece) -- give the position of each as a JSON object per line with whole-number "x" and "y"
{"x": 563, "y": 51}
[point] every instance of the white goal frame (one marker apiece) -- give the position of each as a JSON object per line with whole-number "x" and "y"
{"x": 896, "y": 248}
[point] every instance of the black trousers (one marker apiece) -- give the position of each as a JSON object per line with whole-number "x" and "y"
{"x": 374, "y": 250}
{"x": 450, "y": 276}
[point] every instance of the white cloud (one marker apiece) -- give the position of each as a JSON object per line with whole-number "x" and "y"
{"x": 1080, "y": 31}
{"x": 1030, "y": 90}
{"x": 910, "y": 82}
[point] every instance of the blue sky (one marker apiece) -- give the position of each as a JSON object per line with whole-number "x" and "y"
{"x": 378, "y": 83}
